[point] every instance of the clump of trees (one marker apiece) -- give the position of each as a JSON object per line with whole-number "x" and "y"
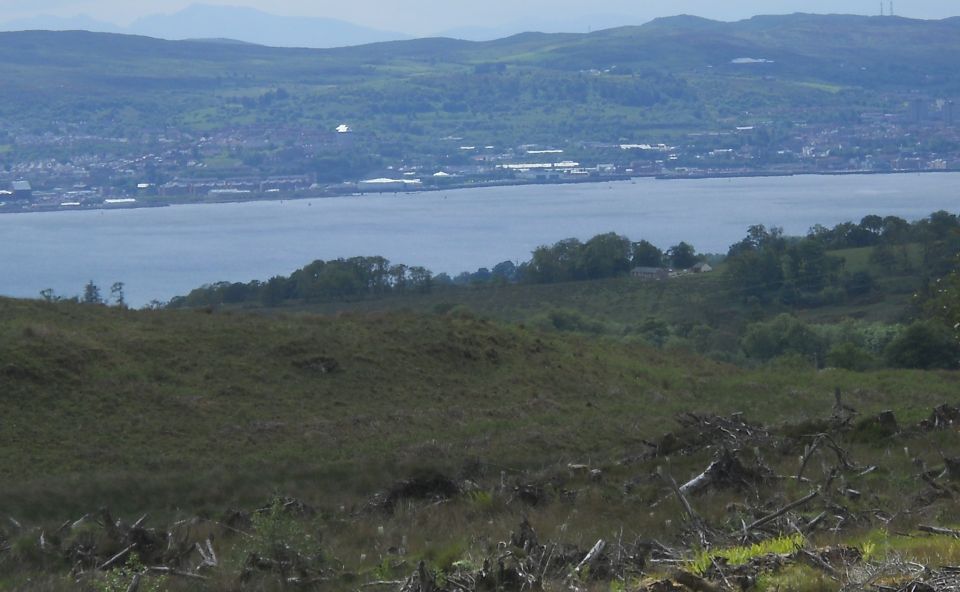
{"x": 91, "y": 295}
{"x": 319, "y": 281}
{"x": 603, "y": 256}
{"x": 800, "y": 271}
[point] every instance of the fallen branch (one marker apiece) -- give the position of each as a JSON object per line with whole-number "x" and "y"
{"x": 771, "y": 517}
{"x": 384, "y": 583}
{"x": 592, "y": 555}
{"x": 702, "y": 480}
{"x": 694, "y": 517}
{"x": 809, "y": 526}
{"x": 809, "y": 450}
{"x": 939, "y": 530}
{"x": 134, "y": 583}
{"x": 117, "y": 558}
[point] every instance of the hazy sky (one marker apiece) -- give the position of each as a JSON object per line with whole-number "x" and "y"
{"x": 429, "y": 16}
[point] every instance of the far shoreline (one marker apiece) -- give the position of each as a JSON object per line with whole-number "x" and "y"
{"x": 264, "y": 198}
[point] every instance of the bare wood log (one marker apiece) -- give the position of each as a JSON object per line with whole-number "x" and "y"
{"x": 839, "y": 408}
{"x": 134, "y": 583}
{"x": 702, "y": 480}
{"x": 140, "y": 522}
{"x": 808, "y": 454}
{"x": 695, "y": 583}
{"x": 771, "y": 517}
{"x": 592, "y": 555}
{"x": 939, "y": 530}
{"x": 116, "y": 558}
{"x": 818, "y": 562}
{"x": 78, "y": 523}
{"x": 694, "y": 517}
{"x": 809, "y": 526}
{"x": 208, "y": 556}
{"x": 384, "y": 583}
{"x": 546, "y": 563}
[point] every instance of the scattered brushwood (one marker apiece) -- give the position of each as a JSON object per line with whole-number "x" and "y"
{"x": 940, "y": 580}
{"x": 877, "y": 428}
{"x": 97, "y": 543}
{"x": 283, "y": 545}
{"x": 728, "y": 471}
{"x": 700, "y": 431}
{"x": 275, "y": 538}
{"x": 433, "y": 487}
{"x": 523, "y": 562}
{"x": 744, "y": 576}
{"x": 943, "y": 417}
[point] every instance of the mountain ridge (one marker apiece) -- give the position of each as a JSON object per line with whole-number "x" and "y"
{"x": 235, "y": 23}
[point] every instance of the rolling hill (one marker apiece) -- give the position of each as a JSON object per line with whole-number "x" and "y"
{"x": 679, "y": 72}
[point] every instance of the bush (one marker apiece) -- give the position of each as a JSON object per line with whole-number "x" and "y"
{"x": 924, "y": 346}
{"x": 850, "y": 356}
{"x": 783, "y": 335}
{"x": 563, "y": 319}
{"x": 859, "y": 283}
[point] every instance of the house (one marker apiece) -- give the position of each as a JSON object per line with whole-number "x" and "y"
{"x": 656, "y": 274}
{"x": 385, "y": 185}
{"x": 22, "y": 190}
{"x": 702, "y": 267}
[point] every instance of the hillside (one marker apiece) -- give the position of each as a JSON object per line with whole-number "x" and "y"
{"x": 684, "y": 72}
{"x": 184, "y": 414}
{"x": 152, "y": 396}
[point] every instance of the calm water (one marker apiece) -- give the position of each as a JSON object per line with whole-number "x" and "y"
{"x": 163, "y": 252}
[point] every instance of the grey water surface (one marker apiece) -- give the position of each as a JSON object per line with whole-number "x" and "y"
{"x": 162, "y": 252}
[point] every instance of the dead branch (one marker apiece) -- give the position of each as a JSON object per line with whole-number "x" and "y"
{"x": 117, "y": 558}
{"x": 134, "y": 583}
{"x": 771, "y": 517}
{"x": 808, "y": 452}
{"x": 939, "y": 530}
{"x": 695, "y": 519}
{"x": 592, "y": 555}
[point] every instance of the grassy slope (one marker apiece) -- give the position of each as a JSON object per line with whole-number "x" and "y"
{"x": 165, "y": 410}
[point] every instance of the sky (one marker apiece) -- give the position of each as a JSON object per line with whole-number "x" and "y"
{"x": 423, "y": 17}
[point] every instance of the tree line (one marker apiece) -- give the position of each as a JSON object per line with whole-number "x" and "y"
{"x": 603, "y": 256}
{"x": 764, "y": 266}
{"x": 768, "y": 266}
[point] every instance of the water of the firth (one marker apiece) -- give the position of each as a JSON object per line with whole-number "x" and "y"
{"x": 163, "y": 252}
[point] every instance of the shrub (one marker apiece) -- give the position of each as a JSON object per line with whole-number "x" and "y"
{"x": 850, "y": 356}
{"x": 782, "y": 335}
{"x": 924, "y": 346}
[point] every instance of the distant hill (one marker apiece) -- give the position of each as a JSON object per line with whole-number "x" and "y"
{"x": 679, "y": 74}
{"x": 60, "y": 23}
{"x": 201, "y": 21}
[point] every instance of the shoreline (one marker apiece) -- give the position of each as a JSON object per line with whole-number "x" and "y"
{"x": 160, "y": 203}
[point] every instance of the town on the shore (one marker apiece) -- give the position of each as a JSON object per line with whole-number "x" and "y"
{"x": 170, "y": 166}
